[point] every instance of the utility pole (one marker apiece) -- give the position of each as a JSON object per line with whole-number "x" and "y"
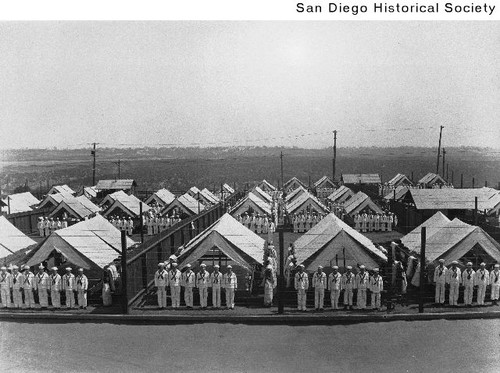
{"x": 447, "y": 172}
{"x": 93, "y": 154}
{"x": 334, "y": 154}
{"x": 444, "y": 157}
{"x": 422, "y": 270}
{"x": 118, "y": 163}
{"x": 124, "y": 273}
{"x": 281, "y": 161}
{"x": 439, "y": 149}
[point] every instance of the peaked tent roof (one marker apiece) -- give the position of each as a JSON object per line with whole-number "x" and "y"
{"x": 432, "y": 225}
{"x": 266, "y": 186}
{"x": 65, "y": 189}
{"x": 295, "y": 193}
{"x": 89, "y": 192}
{"x": 118, "y": 184}
{"x": 455, "y": 239}
{"x": 431, "y": 177}
{"x": 112, "y": 197}
{"x": 329, "y": 238}
{"x": 324, "y": 182}
{"x": 303, "y": 200}
{"x": 398, "y": 179}
{"x": 186, "y": 203}
{"x": 293, "y": 181}
{"x": 20, "y": 202}
{"x": 209, "y": 195}
{"x": 11, "y": 238}
{"x": 253, "y": 201}
{"x": 262, "y": 195}
{"x": 55, "y": 199}
{"x": 79, "y": 207}
{"x": 130, "y": 205}
{"x": 360, "y": 201}
{"x": 401, "y": 190}
{"x": 361, "y": 178}
{"x": 164, "y": 196}
{"x": 341, "y": 194}
{"x": 235, "y": 240}
{"x": 90, "y": 243}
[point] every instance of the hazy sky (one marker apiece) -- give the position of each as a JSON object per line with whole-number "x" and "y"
{"x": 249, "y": 83}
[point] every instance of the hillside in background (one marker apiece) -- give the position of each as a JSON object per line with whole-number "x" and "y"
{"x": 180, "y": 168}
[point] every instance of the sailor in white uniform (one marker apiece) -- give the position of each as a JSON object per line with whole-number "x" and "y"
{"x": 362, "y": 286}
{"x": 301, "y": 285}
{"x": 28, "y": 287}
{"x": 161, "y": 280}
{"x": 376, "y": 287}
{"x": 495, "y": 284}
{"x": 82, "y": 285}
{"x": 482, "y": 280}
{"x": 454, "y": 278}
{"x": 334, "y": 285}
{"x": 348, "y": 285}
{"x": 468, "y": 278}
{"x": 55, "y": 288}
{"x": 319, "y": 283}
{"x": 203, "y": 283}
{"x": 189, "y": 282}
{"x": 5, "y": 286}
{"x": 216, "y": 283}
{"x": 174, "y": 280}
{"x": 440, "y": 275}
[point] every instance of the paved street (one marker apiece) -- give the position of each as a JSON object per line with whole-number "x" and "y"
{"x": 433, "y": 346}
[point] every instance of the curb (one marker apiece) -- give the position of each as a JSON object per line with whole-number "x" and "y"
{"x": 245, "y": 319}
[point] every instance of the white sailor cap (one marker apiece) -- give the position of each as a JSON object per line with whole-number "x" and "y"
{"x": 320, "y": 267}
{"x": 230, "y": 267}
{"x": 335, "y": 267}
{"x": 26, "y": 266}
{"x": 80, "y": 269}
{"x": 174, "y": 264}
{"x": 69, "y": 269}
{"x": 216, "y": 266}
{"x": 203, "y": 265}
{"x": 188, "y": 265}
{"x": 269, "y": 266}
{"x": 161, "y": 264}
{"x": 3, "y": 268}
{"x": 454, "y": 262}
{"x": 348, "y": 267}
{"x": 497, "y": 265}
{"x": 41, "y": 266}
{"x": 301, "y": 266}
{"x": 482, "y": 264}
{"x": 375, "y": 269}
{"x": 469, "y": 264}
{"x": 361, "y": 266}
{"x": 54, "y": 268}
{"x": 15, "y": 267}
{"x": 441, "y": 260}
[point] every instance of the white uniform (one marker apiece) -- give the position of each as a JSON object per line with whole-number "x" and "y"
{"x": 468, "y": 277}
{"x": 5, "y": 284}
{"x": 216, "y": 282}
{"x": 440, "y": 274}
{"x": 130, "y": 227}
{"x": 362, "y": 286}
{"x": 334, "y": 284}
{"x": 39, "y": 225}
{"x": 46, "y": 227}
{"x": 482, "y": 280}
{"x": 55, "y": 290}
{"x": 68, "y": 285}
{"x": 376, "y": 287}
{"x": 202, "y": 283}
{"x": 348, "y": 285}
{"x": 230, "y": 285}
{"x": 28, "y": 287}
{"x": 174, "y": 280}
{"x": 454, "y": 279}
{"x": 495, "y": 284}
{"x": 189, "y": 282}
{"x": 319, "y": 284}
{"x": 42, "y": 286}
{"x": 16, "y": 285}
{"x": 161, "y": 280}
{"x": 82, "y": 284}
{"x": 301, "y": 285}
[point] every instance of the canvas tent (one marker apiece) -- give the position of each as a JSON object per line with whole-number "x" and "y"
{"x": 64, "y": 189}
{"x": 400, "y": 193}
{"x": 360, "y": 179}
{"x": 184, "y": 204}
{"x": 90, "y": 244}
{"x": 11, "y": 238}
{"x": 209, "y": 196}
{"x": 306, "y": 202}
{"x": 227, "y": 189}
{"x": 341, "y": 195}
{"x": 324, "y": 187}
{"x": 75, "y": 207}
{"x": 231, "y": 238}
{"x": 453, "y": 240}
{"x": 332, "y": 242}
{"x": 251, "y": 203}
{"x": 162, "y": 197}
{"x": 130, "y": 206}
{"x": 19, "y": 202}
{"x": 295, "y": 193}
{"x": 126, "y": 185}
{"x": 262, "y": 195}
{"x": 112, "y": 197}
{"x": 399, "y": 180}
{"x": 266, "y": 186}
{"x": 431, "y": 180}
{"x": 359, "y": 202}
{"x": 51, "y": 201}
{"x": 293, "y": 184}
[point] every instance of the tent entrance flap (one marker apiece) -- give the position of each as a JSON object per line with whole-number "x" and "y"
{"x": 214, "y": 239}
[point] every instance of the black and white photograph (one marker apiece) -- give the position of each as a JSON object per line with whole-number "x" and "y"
{"x": 249, "y": 196}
